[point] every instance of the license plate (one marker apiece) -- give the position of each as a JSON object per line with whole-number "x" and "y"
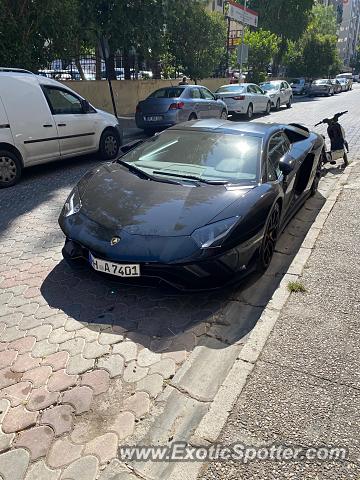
{"x": 153, "y": 118}
{"x": 118, "y": 269}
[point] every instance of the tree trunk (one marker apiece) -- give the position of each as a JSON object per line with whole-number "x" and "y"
{"x": 111, "y": 67}
{"x": 80, "y": 69}
{"x": 127, "y": 72}
{"x": 97, "y": 63}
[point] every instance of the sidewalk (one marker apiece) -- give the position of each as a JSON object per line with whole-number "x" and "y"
{"x": 305, "y": 387}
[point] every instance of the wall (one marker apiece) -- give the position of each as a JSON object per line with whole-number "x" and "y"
{"x": 127, "y": 93}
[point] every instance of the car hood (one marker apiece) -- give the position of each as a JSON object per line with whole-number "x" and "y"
{"x": 119, "y": 200}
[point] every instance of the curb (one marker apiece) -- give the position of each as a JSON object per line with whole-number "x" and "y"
{"x": 210, "y": 426}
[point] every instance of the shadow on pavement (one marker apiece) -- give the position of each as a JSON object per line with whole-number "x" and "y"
{"x": 153, "y": 317}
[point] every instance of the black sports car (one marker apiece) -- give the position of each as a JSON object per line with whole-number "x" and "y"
{"x": 197, "y": 205}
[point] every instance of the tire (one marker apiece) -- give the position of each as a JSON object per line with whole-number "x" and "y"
{"x": 268, "y": 243}
{"x": 289, "y": 104}
{"x": 328, "y": 93}
{"x": 109, "y": 144}
{"x": 10, "y": 169}
{"x": 268, "y": 108}
{"x": 277, "y": 106}
{"x": 224, "y": 115}
{"x": 250, "y": 111}
{"x": 192, "y": 117}
{"x": 315, "y": 184}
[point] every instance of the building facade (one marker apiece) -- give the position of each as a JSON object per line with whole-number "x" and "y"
{"x": 348, "y": 16}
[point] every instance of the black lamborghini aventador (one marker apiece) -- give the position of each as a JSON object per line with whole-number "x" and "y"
{"x": 196, "y": 206}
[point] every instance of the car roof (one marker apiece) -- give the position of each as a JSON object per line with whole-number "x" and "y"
{"x": 226, "y": 126}
{"x": 257, "y": 129}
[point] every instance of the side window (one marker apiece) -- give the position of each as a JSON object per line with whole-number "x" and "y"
{"x": 258, "y": 89}
{"x": 286, "y": 85}
{"x": 62, "y": 102}
{"x": 206, "y": 94}
{"x": 278, "y": 145}
{"x": 251, "y": 89}
{"x": 195, "y": 93}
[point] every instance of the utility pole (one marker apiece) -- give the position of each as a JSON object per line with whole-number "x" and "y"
{"x": 242, "y": 42}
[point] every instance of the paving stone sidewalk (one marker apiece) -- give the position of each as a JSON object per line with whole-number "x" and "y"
{"x": 304, "y": 389}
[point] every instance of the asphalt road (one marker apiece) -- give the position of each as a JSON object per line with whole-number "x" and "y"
{"x": 84, "y": 361}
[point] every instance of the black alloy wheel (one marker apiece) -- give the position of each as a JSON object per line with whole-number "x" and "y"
{"x": 268, "y": 244}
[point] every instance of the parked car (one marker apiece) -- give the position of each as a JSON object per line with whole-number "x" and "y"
{"x": 171, "y": 105}
{"x": 42, "y": 120}
{"x": 348, "y": 77}
{"x": 137, "y": 217}
{"x": 345, "y": 85}
{"x": 322, "y": 86}
{"x": 337, "y": 85}
{"x": 300, "y": 86}
{"x": 244, "y": 98}
{"x": 279, "y": 92}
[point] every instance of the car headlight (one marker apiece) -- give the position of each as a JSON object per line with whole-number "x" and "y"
{"x": 73, "y": 203}
{"x": 272, "y": 95}
{"x": 211, "y": 235}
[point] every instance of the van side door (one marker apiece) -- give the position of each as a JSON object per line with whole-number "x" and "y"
{"x": 77, "y": 129}
{"x": 29, "y": 117}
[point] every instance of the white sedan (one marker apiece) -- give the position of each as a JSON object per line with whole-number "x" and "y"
{"x": 279, "y": 92}
{"x": 244, "y": 98}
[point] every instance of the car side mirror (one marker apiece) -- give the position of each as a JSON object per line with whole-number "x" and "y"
{"x": 85, "y": 106}
{"x": 286, "y": 165}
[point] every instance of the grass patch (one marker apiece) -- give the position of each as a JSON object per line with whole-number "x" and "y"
{"x": 296, "y": 287}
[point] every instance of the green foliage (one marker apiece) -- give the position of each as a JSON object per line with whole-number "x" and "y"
{"x": 322, "y": 20}
{"x": 263, "y": 46}
{"x": 296, "y": 287}
{"x": 355, "y": 60}
{"x": 288, "y": 19}
{"x": 33, "y": 31}
{"x": 196, "y": 38}
{"x": 315, "y": 54}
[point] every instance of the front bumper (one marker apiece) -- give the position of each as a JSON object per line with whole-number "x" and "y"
{"x": 173, "y": 260}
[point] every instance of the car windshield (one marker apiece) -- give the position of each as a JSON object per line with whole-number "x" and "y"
{"x": 342, "y": 80}
{"x": 295, "y": 81}
{"x": 320, "y": 82}
{"x": 270, "y": 86}
{"x": 231, "y": 88}
{"x": 171, "y": 92}
{"x": 208, "y": 156}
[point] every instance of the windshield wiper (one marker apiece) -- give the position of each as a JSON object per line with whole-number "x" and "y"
{"x": 141, "y": 173}
{"x": 191, "y": 177}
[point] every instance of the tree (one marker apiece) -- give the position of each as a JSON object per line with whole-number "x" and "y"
{"x": 196, "y": 38}
{"x": 263, "y": 46}
{"x": 288, "y": 19}
{"x": 32, "y": 31}
{"x": 315, "y": 54}
{"x": 355, "y": 61}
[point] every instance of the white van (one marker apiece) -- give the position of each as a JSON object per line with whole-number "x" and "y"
{"x": 42, "y": 120}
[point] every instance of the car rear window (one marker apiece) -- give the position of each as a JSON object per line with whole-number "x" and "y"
{"x": 320, "y": 82}
{"x": 233, "y": 158}
{"x": 270, "y": 86}
{"x": 231, "y": 88}
{"x": 171, "y": 92}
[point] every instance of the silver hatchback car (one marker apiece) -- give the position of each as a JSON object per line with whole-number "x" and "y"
{"x": 171, "y": 105}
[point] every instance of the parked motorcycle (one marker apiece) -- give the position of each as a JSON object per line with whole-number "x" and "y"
{"x": 339, "y": 146}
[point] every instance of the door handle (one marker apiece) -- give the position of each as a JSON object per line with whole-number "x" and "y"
{"x": 61, "y": 124}
{"x": 47, "y": 126}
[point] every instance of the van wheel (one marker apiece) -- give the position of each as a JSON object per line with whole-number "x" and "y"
{"x": 109, "y": 144}
{"x": 10, "y": 169}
